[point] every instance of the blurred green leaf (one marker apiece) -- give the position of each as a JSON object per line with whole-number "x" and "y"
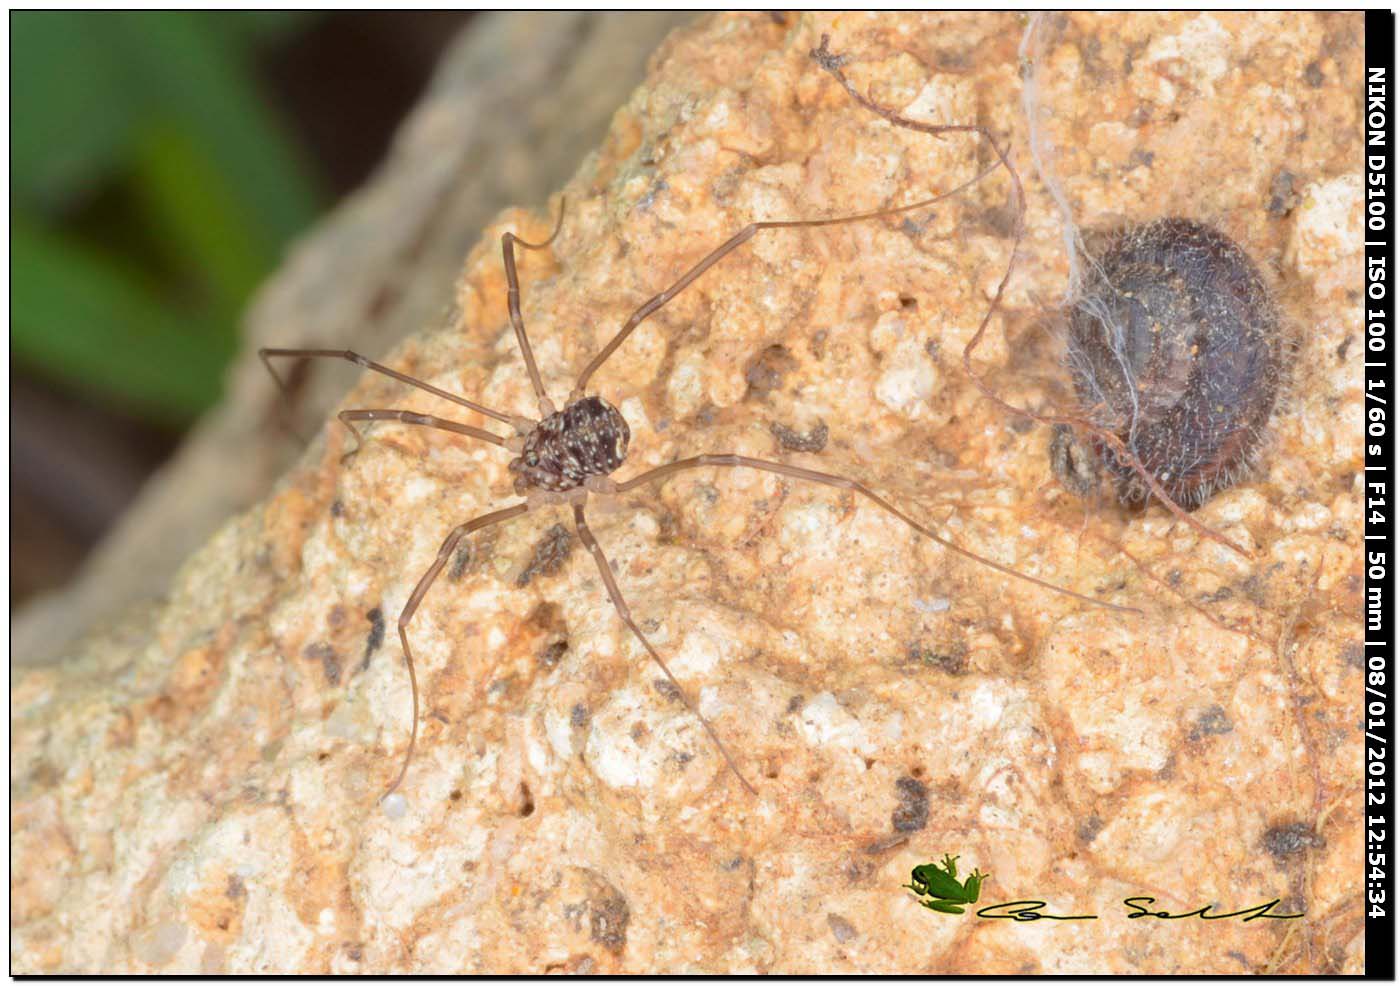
{"x": 71, "y": 107}
{"x": 191, "y": 72}
{"x": 165, "y": 104}
{"x": 81, "y": 318}
{"x": 199, "y": 219}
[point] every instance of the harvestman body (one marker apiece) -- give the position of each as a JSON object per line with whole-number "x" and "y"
{"x": 565, "y": 455}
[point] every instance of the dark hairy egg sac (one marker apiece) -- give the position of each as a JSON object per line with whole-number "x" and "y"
{"x": 1176, "y": 347}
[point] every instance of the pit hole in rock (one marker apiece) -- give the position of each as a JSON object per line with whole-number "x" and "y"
{"x": 766, "y": 371}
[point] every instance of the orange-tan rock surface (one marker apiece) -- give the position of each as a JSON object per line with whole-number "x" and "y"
{"x": 198, "y": 791}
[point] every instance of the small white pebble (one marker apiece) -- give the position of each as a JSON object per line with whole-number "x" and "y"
{"x": 341, "y": 724}
{"x": 636, "y": 414}
{"x": 932, "y": 605}
{"x": 419, "y": 488}
{"x": 906, "y": 386}
{"x": 709, "y": 704}
{"x": 893, "y": 728}
{"x": 697, "y": 655}
{"x": 685, "y": 388}
{"x": 159, "y": 945}
{"x": 502, "y": 844}
{"x": 985, "y": 706}
{"x": 560, "y": 732}
{"x": 395, "y": 806}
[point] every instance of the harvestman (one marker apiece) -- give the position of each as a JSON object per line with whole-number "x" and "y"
{"x": 563, "y": 456}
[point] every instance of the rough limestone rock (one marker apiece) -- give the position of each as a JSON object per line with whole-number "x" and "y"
{"x": 199, "y": 790}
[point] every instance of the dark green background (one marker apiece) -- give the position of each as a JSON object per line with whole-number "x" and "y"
{"x": 160, "y": 163}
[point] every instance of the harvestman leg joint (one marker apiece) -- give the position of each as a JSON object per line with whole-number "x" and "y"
{"x": 565, "y": 455}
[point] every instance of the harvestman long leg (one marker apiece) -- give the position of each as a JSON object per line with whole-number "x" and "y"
{"x": 419, "y": 591}
{"x": 620, "y": 604}
{"x": 508, "y": 241}
{"x": 266, "y": 353}
{"x": 412, "y": 418}
{"x": 842, "y": 482}
{"x": 733, "y": 243}
{"x": 832, "y": 64}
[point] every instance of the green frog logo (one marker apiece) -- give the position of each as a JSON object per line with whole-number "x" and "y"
{"x": 939, "y": 884}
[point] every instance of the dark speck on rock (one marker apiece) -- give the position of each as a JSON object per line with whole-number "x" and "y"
{"x": 1089, "y": 829}
{"x": 1219, "y": 595}
{"x": 841, "y": 929}
{"x": 551, "y": 551}
{"x": 330, "y": 661}
{"x": 376, "y": 634}
{"x": 1213, "y": 722}
{"x": 795, "y": 441}
{"x": 911, "y": 814}
{"x": 649, "y": 199}
{"x": 766, "y": 372}
{"x": 1000, "y": 220}
{"x": 553, "y": 652}
{"x": 1256, "y": 590}
{"x": 951, "y": 660}
{"x": 1290, "y": 839}
{"x": 1283, "y": 196}
{"x": 460, "y": 560}
{"x": 608, "y": 916}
